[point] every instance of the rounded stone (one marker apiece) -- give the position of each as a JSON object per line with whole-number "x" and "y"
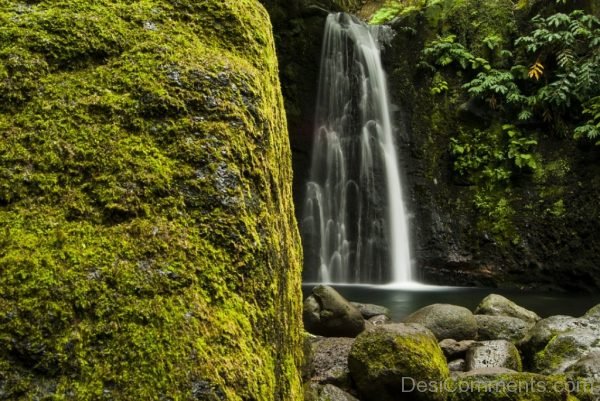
{"x": 546, "y": 329}
{"x": 565, "y": 349}
{"x": 446, "y": 321}
{"x": 386, "y": 358}
{"x": 497, "y": 305}
{"x": 327, "y": 313}
{"x": 502, "y": 328}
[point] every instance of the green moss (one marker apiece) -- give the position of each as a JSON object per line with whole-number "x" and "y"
{"x": 381, "y": 358}
{"x": 148, "y": 246}
{"x": 513, "y": 387}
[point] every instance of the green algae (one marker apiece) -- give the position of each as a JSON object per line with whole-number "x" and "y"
{"x": 148, "y": 247}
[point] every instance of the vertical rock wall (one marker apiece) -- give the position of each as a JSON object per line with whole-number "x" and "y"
{"x": 148, "y": 247}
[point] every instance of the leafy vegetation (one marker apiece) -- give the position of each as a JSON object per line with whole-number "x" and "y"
{"x": 488, "y": 157}
{"x": 559, "y": 85}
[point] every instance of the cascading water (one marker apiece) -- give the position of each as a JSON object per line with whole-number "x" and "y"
{"x": 355, "y": 225}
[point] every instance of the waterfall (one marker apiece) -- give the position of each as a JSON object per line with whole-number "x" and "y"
{"x": 355, "y": 224}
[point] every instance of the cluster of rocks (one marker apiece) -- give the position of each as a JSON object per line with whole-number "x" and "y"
{"x": 500, "y": 351}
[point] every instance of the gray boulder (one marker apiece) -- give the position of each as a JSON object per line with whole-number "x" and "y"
{"x": 327, "y": 392}
{"x": 587, "y": 367}
{"x": 446, "y": 321}
{"x": 369, "y": 310}
{"x": 502, "y": 328}
{"x": 498, "y": 384}
{"x": 546, "y": 329}
{"x": 565, "y": 349}
{"x": 585, "y": 374}
{"x": 389, "y": 357}
{"x": 497, "y": 305}
{"x": 327, "y": 313}
{"x": 453, "y": 349}
{"x": 493, "y": 354}
{"x": 330, "y": 360}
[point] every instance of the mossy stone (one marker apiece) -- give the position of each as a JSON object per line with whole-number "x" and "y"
{"x": 514, "y": 386}
{"x": 387, "y": 357}
{"x": 148, "y": 246}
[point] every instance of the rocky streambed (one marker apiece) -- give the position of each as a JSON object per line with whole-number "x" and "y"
{"x": 499, "y": 351}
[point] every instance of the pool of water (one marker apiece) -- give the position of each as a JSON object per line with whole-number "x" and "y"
{"x": 404, "y": 301}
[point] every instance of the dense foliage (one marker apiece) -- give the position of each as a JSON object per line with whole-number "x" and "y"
{"x": 549, "y": 77}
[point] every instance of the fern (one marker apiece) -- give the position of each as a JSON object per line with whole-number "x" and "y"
{"x": 445, "y": 51}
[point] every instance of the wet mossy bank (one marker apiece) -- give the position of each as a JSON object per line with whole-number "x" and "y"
{"x": 148, "y": 247}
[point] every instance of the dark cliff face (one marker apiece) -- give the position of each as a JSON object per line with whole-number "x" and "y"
{"x": 539, "y": 230}
{"x": 148, "y": 247}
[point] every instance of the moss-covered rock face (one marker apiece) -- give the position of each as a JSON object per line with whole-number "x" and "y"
{"x": 479, "y": 385}
{"x": 148, "y": 248}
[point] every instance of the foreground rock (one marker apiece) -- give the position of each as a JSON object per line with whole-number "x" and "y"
{"x": 327, "y": 392}
{"x": 497, "y": 305}
{"x": 446, "y": 321}
{"x": 502, "y": 328}
{"x": 498, "y": 384}
{"x": 329, "y": 360}
{"x": 149, "y": 244}
{"x": 493, "y": 354}
{"x": 387, "y": 357}
{"x": 565, "y": 349}
{"x": 327, "y": 313}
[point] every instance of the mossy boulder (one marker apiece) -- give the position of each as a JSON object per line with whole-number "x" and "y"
{"x": 327, "y": 313}
{"x": 388, "y": 357}
{"x": 498, "y": 385}
{"x": 446, "y": 321}
{"x": 148, "y": 246}
{"x": 497, "y": 305}
{"x": 565, "y": 349}
{"x": 545, "y": 330}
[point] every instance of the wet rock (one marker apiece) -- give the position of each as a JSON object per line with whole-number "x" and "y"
{"x": 330, "y": 360}
{"x": 369, "y": 310}
{"x": 446, "y": 321}
{"x": 327, "y": 313}
{"x": 379, "y": 319}
{"x": 455, "y": 349}
{"x": 587, "y": 368}
{"x": 497, "y": 305}
{"x": 565, "y": 349}
{"x": 593, "y": 315}
{"x": 328, "y": 392}
{"x": 383, "y": 359}
{"x": 498, "y": 384}
{"x": 493, "y": 354}
{"x": 502, "y": 328}
{"x": 457, "y": 365}
{"x": 544, "y": 330}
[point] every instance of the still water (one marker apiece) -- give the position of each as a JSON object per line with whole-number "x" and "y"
{"x": 402, "y": 302}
